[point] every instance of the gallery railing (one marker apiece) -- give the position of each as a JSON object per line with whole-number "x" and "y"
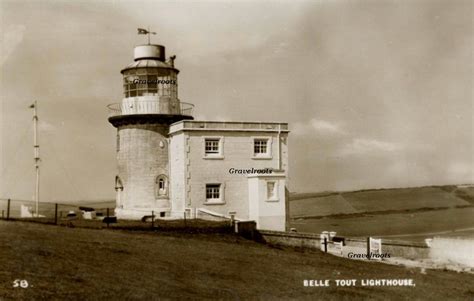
{"x": 131, "y": 107}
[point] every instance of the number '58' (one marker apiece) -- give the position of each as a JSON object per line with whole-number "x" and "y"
{"x": 20, "y": 283}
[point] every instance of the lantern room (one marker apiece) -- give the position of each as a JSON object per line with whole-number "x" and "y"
{"x": 150, "y": 74}
{"x": 150, "y": 86}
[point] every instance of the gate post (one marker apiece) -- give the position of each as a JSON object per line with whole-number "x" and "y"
{"x": 56, "y": 214}
{"x": 8, "y": 209}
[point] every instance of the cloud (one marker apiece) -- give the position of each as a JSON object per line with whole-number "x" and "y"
{"x": 45, "y": 126}
{"x": 460, "y": 171}
{"x": 12, "y": 36}
{"x": 325, "y": 126}
{"x": 359, "y": 146}
{"x": 319, "y": 126}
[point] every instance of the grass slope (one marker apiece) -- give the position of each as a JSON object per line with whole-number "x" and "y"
{"x": 321, "y": 206}
{"x": 83, "y": 264}
{"x": 390, "y": 224}
{"x": 378, "y": 200}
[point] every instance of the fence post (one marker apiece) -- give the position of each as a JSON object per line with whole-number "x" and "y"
{"x": 8, "y": 209}
{"x": 56, "y": 214}
{"x": 3, "y": 213}
{"x": 325, "y": 245}
{"x": 108, "y": 219}
{"x": 185, "y": 218}
{"x": 152, "y": 219}
{"x": 368, "y": 248}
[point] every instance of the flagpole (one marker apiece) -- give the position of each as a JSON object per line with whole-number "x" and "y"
{"x": 36, "y": 155}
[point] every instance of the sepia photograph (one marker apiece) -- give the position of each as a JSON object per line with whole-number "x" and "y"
{"x": 236, "y": 150}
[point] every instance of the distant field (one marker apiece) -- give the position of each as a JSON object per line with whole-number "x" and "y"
{"x": 392, "y": 224}
{"x": 62, "y": 263}
{"x": 408, "y": 213}
{"x": 324, "y": 204}
{"x": 321, "y": 206}
{"x": 408, "y": 198}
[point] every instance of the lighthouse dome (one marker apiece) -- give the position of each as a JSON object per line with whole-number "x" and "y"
{"x": 154, "y": 52}
{"x": 147, "y": 63}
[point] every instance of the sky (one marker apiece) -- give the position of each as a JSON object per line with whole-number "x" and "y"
{"x": 376, "y": 93}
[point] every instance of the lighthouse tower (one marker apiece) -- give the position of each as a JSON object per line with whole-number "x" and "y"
{"x": 143, "y": 117}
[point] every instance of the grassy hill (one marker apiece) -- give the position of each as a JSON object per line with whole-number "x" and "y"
{"x": 380, "y": 200}
{"x": 62, "y": 263}
{"x": 406, "y": 213}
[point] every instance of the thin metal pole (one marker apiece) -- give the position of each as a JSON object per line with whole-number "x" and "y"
{"x": 108, "y": 219}
{"x": 37, "y": 190}
{"x": 152, "y": 219}
{"x": 185, "y": 218}
{"x": 36, "y": 155}
{"x": 325, "y": 245}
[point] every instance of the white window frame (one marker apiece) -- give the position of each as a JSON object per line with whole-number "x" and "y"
{"x": 219, "y": 154}
{"x": 276, "y": 196}
{"x": 162, "y": 193}
{"x": 215, "y": 201}
{"x": 268, "y": 154}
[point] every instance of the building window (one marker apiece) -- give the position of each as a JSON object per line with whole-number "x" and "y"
{"x": 213, "y": 147}
{"x": 260, "y": 147}
{"x": 161, "y": 186}
{"x": 272, "y": 191}
{"x": 214, "y": 193}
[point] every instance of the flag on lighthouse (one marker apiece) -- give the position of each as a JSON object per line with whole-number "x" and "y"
{"x": 144, "y": 31}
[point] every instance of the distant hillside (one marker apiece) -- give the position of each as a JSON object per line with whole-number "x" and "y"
{"x": 380, "y": 200}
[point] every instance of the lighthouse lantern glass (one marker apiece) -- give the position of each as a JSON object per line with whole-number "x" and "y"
{"x": 150, "y": 82}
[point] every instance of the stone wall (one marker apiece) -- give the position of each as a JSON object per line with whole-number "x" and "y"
{"x": 178, "y": 179}
{"x": 142, "y": 156}
{"x": 291, "y": 239}
{"x": 404, "y": 249}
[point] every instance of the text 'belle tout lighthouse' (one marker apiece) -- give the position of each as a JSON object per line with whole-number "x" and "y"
{"x": 175, "y": 166}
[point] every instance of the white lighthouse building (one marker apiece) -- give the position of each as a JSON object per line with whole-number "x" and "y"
{"x": 175, "y": 166}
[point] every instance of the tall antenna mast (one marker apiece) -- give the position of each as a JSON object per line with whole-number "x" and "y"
{"x": 36, "y": 153}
